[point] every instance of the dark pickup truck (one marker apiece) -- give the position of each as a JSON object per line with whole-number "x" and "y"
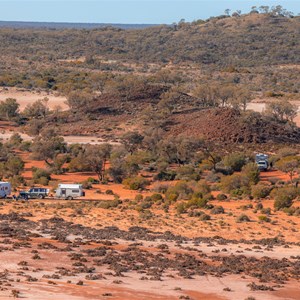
{"x": 34, "y": 193}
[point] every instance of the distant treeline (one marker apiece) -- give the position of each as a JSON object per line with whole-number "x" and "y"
{"x": 67, "y": 25}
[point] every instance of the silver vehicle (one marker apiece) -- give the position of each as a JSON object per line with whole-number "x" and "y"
{"x": 262, "y": 161}
{"x": 69, "y": 191}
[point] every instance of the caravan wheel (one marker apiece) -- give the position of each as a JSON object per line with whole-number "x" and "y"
{"x": 69, "y": 198}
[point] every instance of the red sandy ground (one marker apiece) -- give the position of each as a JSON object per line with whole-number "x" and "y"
{"x": 208, "y": 288}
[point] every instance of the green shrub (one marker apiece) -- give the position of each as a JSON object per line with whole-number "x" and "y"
{"x": 180, "y": 208}
{"x": 242, "y": 218}
{"x": 41, "y": 176}
{"x": 197, "y": 202}
{"x": 234, "y": 183}
{"x": 217, "y": 210}
{"x": 221, "y": 197}
{"x": 165, "y": 175}
{"x": 234, "y": 161}
{"x": 195, "y": 213}
{"x": 181, "y": 191}
{"x": 172, "y": 196}
{"x": 264, "y": 219}
{"x": 202, "y": 187}
{"x": 139, "y": 197}
{"x": 292, "y": 211}
{"x": 259, "y": 206}
{"x": 251, "y": 171}
{"x": 160, "y": 188}
{"x": 156, "y": 197}
{"x": 146, "y": 215}
{"x": 208, "y": 197}
{"x": 273, "y": 180}
{"x": 213, "y": 177}
{"x": 266, "y": 211}
{"x": 204, "y": 217}
{"x": 147, "y": 203}
{"x": 107, "y": 204}
{"x": 260, "y": 191}
{"x": 187, "y": 173}
{"x": 284, "y": 197}
{"x": 86, "y": 185}
{"x": 16, "y": 181}
{"x": 135, "y": 183}
{"x": 93, "y": 180}
{"x": 25, "y": 146}
{"x": 109, "y": 192}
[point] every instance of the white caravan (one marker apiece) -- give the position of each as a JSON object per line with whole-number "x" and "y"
{"x": 69, "y": 191}
{"x": 5, "y": 189}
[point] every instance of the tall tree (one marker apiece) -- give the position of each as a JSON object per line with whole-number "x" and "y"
{"x": 96, "y": 158}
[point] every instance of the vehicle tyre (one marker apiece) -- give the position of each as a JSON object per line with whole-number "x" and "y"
{"x": 69, "y": 198}
{"x": 41, "y": 197}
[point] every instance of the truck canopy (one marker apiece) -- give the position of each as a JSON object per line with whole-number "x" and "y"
{"x": 261, "y": 157}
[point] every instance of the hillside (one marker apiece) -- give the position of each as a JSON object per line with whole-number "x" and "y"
{"x": 250, "y": 40}
{"x": 229, "y": 127}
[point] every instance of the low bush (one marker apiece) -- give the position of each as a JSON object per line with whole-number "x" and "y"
{"x": 156, "y": 197}
{"x": 86, "y": 185}
{"x": 204, "y": 217}
{"x": 197, "y": 202}
{"x": 107, "y": 204}
{"x": 135, "y": 183}
{"x": 264, "y": 219}
{"x": 284, "y": 197}
{"x": 259, "y": 206}
{"x": 93, "y": 180}
{"x": 146, "y": 215}
{"x": 217, "y": 210}
{"x": 165, "y": 176}
{"x": 260, "y": 191}
{"x": 234, "y": 161}
{"x": 195, "y": 213}
{"x": 213, "y": 177}
{"x": 251, "y": 171}
{"x": 41, "y": 176}
{"x": 160, "y": 188}
{"x": 188, "y": 173}
{"x": 266, "y": 211}
{"x": 221, "y": 197}
{"x": 242, "y": 218}
{"x": 234, "y": 184}
{"x": 180, "y": 208}
{"x": 181, "y": 191}
{"x": 139, "y": 197}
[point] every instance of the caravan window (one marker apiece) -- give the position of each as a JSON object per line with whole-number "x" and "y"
{"x": 75, "y": 191}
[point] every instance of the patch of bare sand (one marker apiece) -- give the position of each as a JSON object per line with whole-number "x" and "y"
{"x": 25, "y": 97}
{"x": 6, "y": 133}
{"x": 259, "y": 105}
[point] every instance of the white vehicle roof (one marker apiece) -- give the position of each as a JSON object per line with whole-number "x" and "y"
{"x": 3, "y": 182}
{"x": 70, "y": 186}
